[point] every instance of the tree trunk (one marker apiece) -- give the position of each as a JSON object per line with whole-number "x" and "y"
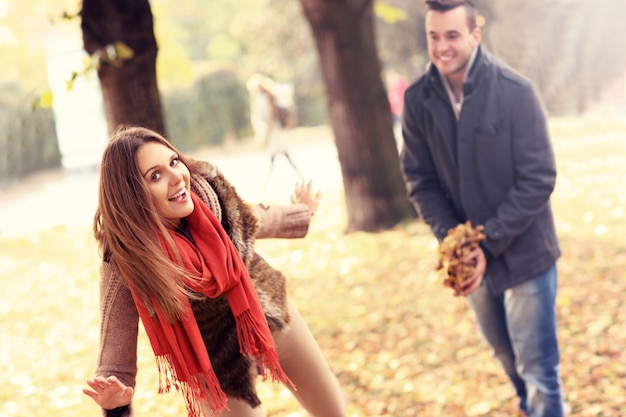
{"x": 359, "y": 113}
{"x": 129, "y": 88}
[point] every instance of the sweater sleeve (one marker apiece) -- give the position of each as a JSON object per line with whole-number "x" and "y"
{"x": 287, "y": 222}
{"x": 125, "y": 411}
{"x": 118, "y": 334}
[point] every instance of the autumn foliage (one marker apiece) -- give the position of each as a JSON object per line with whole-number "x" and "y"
{"x": 453, "y": 252}
{"x": 399, "y": 343}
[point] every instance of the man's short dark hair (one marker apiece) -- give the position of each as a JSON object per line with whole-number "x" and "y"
{"x": 445, "y": 5}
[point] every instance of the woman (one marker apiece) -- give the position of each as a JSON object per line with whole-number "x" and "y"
{"x": 178, "y": 252}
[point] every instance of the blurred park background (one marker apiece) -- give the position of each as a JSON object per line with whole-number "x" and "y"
{"x": 399, "y": 342}
{"x": 572, "y": 49}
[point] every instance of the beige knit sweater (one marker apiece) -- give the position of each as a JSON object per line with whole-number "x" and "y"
{"x": 119, "y": 317}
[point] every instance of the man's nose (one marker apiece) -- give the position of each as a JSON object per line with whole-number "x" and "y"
{"x": 442, "y": 45}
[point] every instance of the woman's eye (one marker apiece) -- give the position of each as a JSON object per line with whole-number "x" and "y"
{"x": 174, "y": 162}
{"x": 155, "y": 176}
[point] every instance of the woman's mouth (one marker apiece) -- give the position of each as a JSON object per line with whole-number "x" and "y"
{"x": 179, "y": 196}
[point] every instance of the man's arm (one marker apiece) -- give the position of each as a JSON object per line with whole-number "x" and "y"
{"x": 424, "y": 187}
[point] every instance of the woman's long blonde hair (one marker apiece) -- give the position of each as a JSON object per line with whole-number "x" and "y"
{"x": 127, "y": 225}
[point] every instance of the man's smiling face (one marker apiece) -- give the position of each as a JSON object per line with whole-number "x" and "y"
{"x": 451, "y": 41}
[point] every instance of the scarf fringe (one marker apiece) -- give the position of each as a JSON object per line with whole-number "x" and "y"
{"x": 202, "y": 389}
{"x": 263, "y": 351}
{"x": 166, "y": 373}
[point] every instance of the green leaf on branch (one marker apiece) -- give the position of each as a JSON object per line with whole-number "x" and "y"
{"x": 389, "y": 13}
{"x": 113, "y": 54}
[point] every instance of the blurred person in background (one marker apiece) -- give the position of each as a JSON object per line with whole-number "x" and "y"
{"x": 398, "y": 84}
{"x": 476, "y": 147}
{"x": 272, "y": 115}
{"x": 178, "y": 253}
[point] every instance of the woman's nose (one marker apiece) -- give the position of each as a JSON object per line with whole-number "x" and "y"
{"x": 175, "y": 177}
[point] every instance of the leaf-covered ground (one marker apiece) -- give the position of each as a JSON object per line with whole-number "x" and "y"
{"x": 399, "y": 342}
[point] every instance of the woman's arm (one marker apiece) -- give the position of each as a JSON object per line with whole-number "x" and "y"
{"x": 289, "y": 221}
{"x": 112, "y": 388}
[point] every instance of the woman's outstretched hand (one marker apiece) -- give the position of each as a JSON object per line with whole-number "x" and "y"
{"x": 109, "y": 393}
{"x": 304, "y": 194}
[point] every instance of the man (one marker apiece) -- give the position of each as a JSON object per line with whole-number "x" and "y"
{"x": 476, "y": 147}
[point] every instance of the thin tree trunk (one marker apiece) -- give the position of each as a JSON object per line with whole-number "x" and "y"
{"x": 129, "y": 88}
{"x": 359, "y": 113}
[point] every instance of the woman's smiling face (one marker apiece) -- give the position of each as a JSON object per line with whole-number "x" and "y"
{"x": 168, "y": 181}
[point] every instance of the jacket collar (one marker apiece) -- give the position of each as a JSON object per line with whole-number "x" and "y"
{"x": 474, "y": 74}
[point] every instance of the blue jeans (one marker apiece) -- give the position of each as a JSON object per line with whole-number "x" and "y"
{"x": 520, "y": 326}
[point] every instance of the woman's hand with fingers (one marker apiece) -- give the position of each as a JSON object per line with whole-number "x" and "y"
{"x": 304, "y": 194}
{"x": 109, "y": 393}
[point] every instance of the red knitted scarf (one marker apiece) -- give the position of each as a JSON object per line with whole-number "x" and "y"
{"x": 215, "y": 267}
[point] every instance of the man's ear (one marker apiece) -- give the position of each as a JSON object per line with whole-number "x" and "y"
{"x": 477, "y": 34}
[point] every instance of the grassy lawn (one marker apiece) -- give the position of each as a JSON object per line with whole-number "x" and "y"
{"x": 399, "y": 342}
